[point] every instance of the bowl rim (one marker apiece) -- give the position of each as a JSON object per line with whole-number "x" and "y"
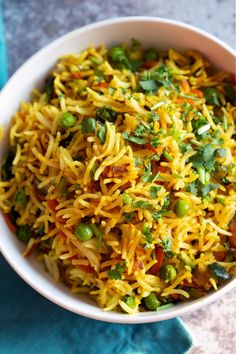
{"x": 116, "y": 317}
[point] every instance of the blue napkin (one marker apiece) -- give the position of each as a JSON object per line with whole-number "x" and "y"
{"x": 3, "y": 57}
{"x": 31, "y": 324}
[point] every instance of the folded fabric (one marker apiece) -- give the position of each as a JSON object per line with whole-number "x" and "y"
{"x": 3, "y": 58}
{"x": 30, "y": 324}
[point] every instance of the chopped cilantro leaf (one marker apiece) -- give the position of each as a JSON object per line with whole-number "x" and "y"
{"x": 117, "y": 272}
{"x": 148, "y": 85}
{"x": 185, "y": 147}
{"x": 154, "y": 79}
{"x": 221, "y": 152}
{"x": 155, "y": 142}
{"x": 142, "y": 204}
{"x": 148, "y": 175}
{"x": 157, "y": 215}
{"x": 134, "y": 139}
{"x": 166, "y": 242}
{"x": 154, "y": 190}
{"x": 128, "y": 216}
{"x": 198, "y": 123}
{"x": 211, "y": 95}
{"x": 208, "y": 188}
{"x": 126, "y": 198}
{"x": 205, "y": 157}
{"x": 147, "y": 233}
{"x": 166, "y": 202}
{"x": 101, "y": 134}
{"x": 225, "y": 181}
{"x": 167, "y": 156}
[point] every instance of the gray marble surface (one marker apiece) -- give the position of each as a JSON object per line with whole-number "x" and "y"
{"x": 32, "y": 24}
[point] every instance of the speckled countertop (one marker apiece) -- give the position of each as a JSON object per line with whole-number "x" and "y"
{"x": 32, "y": 24}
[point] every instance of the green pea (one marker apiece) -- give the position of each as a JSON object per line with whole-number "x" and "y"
{"x": 116, "y": 54}
{"x": 152, "y": 302}
{"x": 24, "y": 233}
{"x": 181, "y": 207}
{"x": 83, "y": 232}
{"x": 150, "y": 54}
{"x": 88, "y": 126}
{"x": 66, "y": 120}
{"x": 130, "y": 301}
{"x": 168, "y": 272}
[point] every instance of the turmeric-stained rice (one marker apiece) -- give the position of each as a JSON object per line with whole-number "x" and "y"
{"x": 121, "y": 176}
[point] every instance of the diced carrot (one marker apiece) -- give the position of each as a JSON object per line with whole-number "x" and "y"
{"x": 175, "y": 296}
{"x": 9, "y": 223}
{"x": 220, "y": 255}
{"x": 232, "y": 241}
{"x": 149, "y": 64}
{"x": 198, "y": 93}
{"x": 184, "y": 84}
{"x": 189, "y": 285}
{"x": 86, "y": 269}
{"x": 232, "y": 228}
{"x": 149, "y": 147}
{"x": 157, "y": 150}
{"x": 233, "y": 79}
{"x": 181, "y": 100}
{"x": 22, "y": 114}
{"x": 102, "y": 84}
{"x": 77, "y": 75}
{"x": 137, "y": 265}
{"x": 161, "y": 169}
{"x": 52, "y": 204}
{"x": 159, "y": 257}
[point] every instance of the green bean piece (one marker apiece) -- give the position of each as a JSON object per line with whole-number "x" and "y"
{"x": 98, "y": 233}
{"x": 150, "y": 54}
{"x": 88, "y": 126}
{"x": 106, "y": 114}
{"x": 24, "y": 233}
{"x": 20, "y": 198}
{"x": 219, "y": 272}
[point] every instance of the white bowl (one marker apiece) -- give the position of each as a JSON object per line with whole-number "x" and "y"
{"x": 152, "y": 32}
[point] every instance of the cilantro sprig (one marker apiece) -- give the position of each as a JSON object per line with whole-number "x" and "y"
{"x": 117, "y": 272}
{"x": 147, "y": 233}
{"x": 154, "y": 79}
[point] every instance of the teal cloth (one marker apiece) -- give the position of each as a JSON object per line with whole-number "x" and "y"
{"x": 30, "y": 324}
{"x": 3, "y": 57}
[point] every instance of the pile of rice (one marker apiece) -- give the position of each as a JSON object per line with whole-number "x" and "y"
{"x": 168, "y": 138}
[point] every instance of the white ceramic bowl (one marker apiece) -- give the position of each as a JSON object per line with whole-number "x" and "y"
{"x": 152, "y": 32}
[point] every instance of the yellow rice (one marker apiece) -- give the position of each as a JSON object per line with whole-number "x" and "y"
{"x": 98, "y": 176}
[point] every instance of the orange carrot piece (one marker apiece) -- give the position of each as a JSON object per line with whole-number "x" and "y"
{"x": 9, "y": 223}
{"x": 160, "y": 257}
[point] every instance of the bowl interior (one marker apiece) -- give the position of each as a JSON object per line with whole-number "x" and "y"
{"x": 158, "y": 33}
